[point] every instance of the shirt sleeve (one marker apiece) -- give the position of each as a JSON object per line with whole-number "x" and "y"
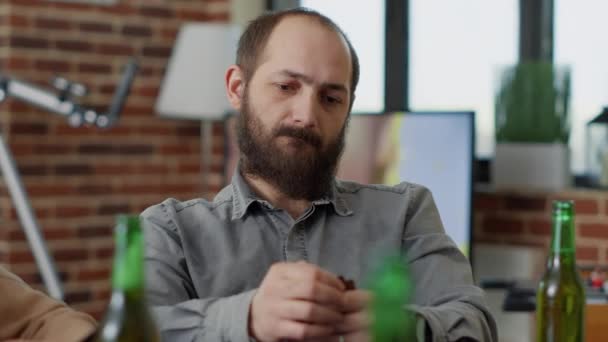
{"x": 180, "y": 314}
{"x": 31, "y": 314}
{"x": 444, "y": 292}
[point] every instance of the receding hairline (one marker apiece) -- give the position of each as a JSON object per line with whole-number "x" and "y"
{"x": 263, "y": 57}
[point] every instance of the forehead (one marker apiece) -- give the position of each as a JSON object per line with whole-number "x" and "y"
{"x": 305, "y": 45}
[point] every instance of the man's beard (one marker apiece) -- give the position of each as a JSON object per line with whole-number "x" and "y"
{"x": 298, "y": 175}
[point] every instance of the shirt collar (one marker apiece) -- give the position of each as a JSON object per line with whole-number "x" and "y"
{"x": 243, "y": 197}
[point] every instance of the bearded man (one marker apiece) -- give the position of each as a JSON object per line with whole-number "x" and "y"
{"x": 262, "y": 260}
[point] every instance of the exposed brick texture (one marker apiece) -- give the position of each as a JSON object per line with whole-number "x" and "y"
{"x": 525, "y": 219}
{"x": 78, "y": 179}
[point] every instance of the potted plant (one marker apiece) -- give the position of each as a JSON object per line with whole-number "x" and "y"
{"x": 532, "y": 127}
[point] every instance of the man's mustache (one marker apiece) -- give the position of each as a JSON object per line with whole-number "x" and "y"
{"x": 303, "y": 134}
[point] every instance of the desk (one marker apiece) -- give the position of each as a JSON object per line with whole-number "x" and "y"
{"x": 596, "y": 322}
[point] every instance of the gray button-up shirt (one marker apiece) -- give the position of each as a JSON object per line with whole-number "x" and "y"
{"x": 204, "y": 259}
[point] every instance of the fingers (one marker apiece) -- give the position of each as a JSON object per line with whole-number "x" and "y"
{"x": 303, "y": 271}
{"x": 302, "y": 331}
{"x": 359, "y": 336}
{"x": 358, "y": 321}
{"x": 310, "y": 312}
{"x": 356, "y": 300}
{"x": 316, "y": 292}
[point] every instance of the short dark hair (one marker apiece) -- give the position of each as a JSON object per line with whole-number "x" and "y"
{"x": 253, "y": 41}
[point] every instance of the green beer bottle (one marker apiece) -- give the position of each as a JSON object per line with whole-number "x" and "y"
{"x": 560, "y": 299}
{"x": 128, "y": 317}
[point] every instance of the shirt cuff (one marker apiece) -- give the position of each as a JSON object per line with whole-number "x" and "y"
{"x": 233, "y": 317}
{"x": 427, "y": 327}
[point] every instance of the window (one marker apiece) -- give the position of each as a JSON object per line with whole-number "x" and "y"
{"x": 580, "y": 42}
{"x": 457, "y": 49}
{"x": 364, "y": 25}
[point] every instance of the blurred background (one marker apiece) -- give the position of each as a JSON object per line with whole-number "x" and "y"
{"x": 436, "y": 68}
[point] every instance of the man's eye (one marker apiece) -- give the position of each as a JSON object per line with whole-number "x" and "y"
{"x": 333, "y": 100}
{"x": 284, "y": 87}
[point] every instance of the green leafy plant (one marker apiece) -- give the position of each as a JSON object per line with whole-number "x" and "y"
{"x": 532, "y": 104}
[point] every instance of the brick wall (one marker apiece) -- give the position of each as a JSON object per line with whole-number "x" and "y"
{"x": 524, "y": 218}
{"x": 79, "y": 178}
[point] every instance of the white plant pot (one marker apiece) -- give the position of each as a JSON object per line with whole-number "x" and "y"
{"x": 541, "y": 166}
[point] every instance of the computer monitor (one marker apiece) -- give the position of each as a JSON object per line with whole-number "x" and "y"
{"x": 434, "y": 149}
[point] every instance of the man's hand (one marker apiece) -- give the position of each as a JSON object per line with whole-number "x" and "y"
{"x": 356, "y": 324}
{"x": 296, "y": 301}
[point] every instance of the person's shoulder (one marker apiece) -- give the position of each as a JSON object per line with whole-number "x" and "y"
{"x": 173, "y": 211}
{"x": 176, "y": 206}
{"x": 403, "y": 188}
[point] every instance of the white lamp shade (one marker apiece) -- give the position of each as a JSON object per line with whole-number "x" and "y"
{"x": 193, "y": 86}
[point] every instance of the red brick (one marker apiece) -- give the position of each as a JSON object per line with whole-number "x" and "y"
{"x": 521, "y": 203}
{"x": 17, "y": 63}
{"x": 157, "y": 51}
{"x": 189, "y": 168}
{"x": 96, "y": 27}
{"x": 495, "y": 224}
{"x": 114, "y": 209}
{"x": 596, "y": 230}
{"x": 192, "y": 15}
{"x": 169, "y": 33}
{"x": 94, "y": 274}
{"x": 81, "y": 296}
{"x": 108, "y": 169}
{"x": 120, "y": 9}
{"x": 176, "y": 149}
{"x": 74, "y": 45}
{"x": 158, "y": 12}
{"x": 483, "y": 201}
{"x": 49, "y": 189}
{"x": 52, "y": 149}
{"x": 91, "y": 190}
{"x": 138, "y": 110}
{"x": 104, "y": 253}
{"x": 58, "y": 234}
{"x": 155, "y": 130}
{"x": 146, "y": 169}
{"x": 75, "y": 254}
{"x": 587, "y": 253}
{"x": 20, "y": 257}
{"x": 148, "y": 91}
{"x": 33, "y": 170}
{"x": 193, "y": 130}
{"x": 95, "y": 231}
{"x": 73, "y": 169}
{"x": 52, "y": 24}
{"x": 137, "y": 31}
{"x": 115, "y": 50}
{"x": 28, "y": 42}
{"x": 40, "y": 213}
{"x": 540, "y": 227}
{"x": 96, "y": 68}
{"x": 136, "y": 149}
{"x": 52, "y": 65}
{"x": 71, "y": 212}
{"x": 72, "y": 6}
{"x": 586, "y": 206}
{"x": 29, "y": 128}
{"x": 18, "y": 21}
{"x": 103, "y": 295}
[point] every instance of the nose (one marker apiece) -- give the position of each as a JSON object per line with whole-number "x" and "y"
{"x": 304, "y": 113}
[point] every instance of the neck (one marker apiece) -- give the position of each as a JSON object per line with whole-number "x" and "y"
{"x": 294, "y": 207}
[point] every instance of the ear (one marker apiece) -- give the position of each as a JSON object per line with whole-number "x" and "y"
{"x": 235, "y": 86}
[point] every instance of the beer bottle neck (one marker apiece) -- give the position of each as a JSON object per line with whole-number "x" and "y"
{"x": 563, "y": 235}
{"x": 127, "y": 273}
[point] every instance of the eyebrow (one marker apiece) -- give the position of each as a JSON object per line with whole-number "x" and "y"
{"x": 309, "y": 80}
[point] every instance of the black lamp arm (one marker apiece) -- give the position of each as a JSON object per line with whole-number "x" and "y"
{"x": 61, "y": 102}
